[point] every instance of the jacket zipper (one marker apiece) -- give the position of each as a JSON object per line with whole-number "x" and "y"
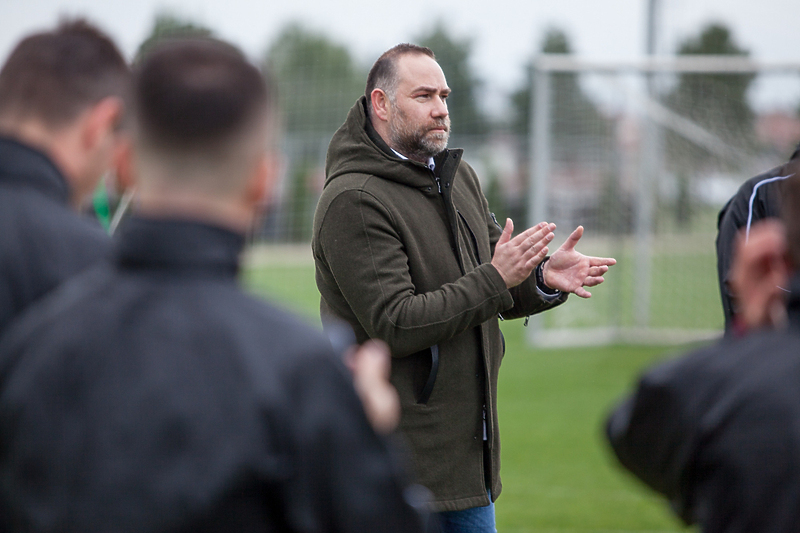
{"x": 428, "y": 389}
{"x": 454, "y": 230}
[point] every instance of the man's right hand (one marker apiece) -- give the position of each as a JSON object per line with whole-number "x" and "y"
{"x": 515, "y": 258}
{"x": 371, "y": 365}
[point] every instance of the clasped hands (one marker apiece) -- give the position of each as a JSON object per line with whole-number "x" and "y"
{"x": 567, "y": 270}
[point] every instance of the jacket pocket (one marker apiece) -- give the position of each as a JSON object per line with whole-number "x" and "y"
{"x": 425, "y": 394}
{"x": 473, "y": 240}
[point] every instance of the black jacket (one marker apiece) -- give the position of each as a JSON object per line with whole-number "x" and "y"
{"x": 154, "y": 395}
{"x": 42, "y": 241}
{"x": 718, "y": 431}
{"x": 758, "y": 198}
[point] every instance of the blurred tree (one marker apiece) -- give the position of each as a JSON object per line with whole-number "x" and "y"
{"x": 168, "y": 26}
{"x": 580, "y": 135}
{"x": 453, "y": 56}
{"x": 573, "y": 114}
{"x": 717, "y": 103}
{"x": 317, "y": 83}
{"x": 317, "y": 79}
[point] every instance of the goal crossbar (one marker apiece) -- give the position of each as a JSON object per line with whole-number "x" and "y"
{"x": 701, "y": 64}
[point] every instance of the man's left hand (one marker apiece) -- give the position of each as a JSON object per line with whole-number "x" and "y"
{"x": 568, "y": 270}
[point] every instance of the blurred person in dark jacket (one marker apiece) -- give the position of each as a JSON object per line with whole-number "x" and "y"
{"x": 152, "y": 393}
{"x": 718, "y": 431}
{"x": 61, "y": 102}
{"x": 757, "y": 199}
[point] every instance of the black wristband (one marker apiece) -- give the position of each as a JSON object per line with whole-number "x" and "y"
{"x": 540, "y": 279}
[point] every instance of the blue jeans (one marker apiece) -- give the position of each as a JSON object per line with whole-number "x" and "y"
{"x": 473, "y": 520}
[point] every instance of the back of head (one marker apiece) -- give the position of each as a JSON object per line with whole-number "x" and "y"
{"x": 200, "y": 109}
{"x": 383, "y": 74}
{"x": 54, "y": 76}
{"x": 790, "y": 212}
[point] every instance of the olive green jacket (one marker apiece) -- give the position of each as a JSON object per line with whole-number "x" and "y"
{"x": 403, "y": 262}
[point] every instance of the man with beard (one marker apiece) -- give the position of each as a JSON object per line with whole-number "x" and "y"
{"x": 407, "y": 251}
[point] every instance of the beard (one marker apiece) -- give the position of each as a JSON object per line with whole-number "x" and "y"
{"x": 417, "y": 141}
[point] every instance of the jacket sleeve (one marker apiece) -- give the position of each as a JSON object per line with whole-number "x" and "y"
{"x": 344, "y": 477}
{"x": 371, "y": 269}
{"x": 653, "y": 436}
{"x": 728, "y": 225}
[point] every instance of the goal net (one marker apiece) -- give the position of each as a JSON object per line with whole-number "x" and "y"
{"x": 643, "y": 154}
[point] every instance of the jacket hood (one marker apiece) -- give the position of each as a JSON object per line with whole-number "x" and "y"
{"x": 356, "y": 148}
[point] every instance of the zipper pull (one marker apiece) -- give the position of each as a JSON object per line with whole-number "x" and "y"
{"x": 439, "y": 185}
{"x": 496, "y": 223}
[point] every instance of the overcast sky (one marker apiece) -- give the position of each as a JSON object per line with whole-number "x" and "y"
{"x": 504, "y": 33}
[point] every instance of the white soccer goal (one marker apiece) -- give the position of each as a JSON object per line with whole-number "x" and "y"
{"x": 643, "y": 154}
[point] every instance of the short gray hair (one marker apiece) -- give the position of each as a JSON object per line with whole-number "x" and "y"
{"x": 383, "y": 74}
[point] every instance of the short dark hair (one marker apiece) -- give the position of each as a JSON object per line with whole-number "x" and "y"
{"x": 54, "y": 76}
{"x": 790, "y": 210}
{"x": 383, "y": 74}
{"x": 196, "y": 92}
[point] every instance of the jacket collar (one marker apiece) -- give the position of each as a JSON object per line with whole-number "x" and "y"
{"x": 22, "y": 165}
{"x": 178, "y": 246}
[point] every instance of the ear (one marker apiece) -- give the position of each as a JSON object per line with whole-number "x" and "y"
{"x": 92, "y": 147}
{"x": 101, "y": 121}
{"x": 380, "y": 104}
{"x": 262, "y": 180}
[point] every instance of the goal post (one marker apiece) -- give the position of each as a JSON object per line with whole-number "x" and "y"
{"x": 645, "y": 172}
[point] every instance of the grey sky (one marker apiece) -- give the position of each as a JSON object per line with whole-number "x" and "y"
{"x": 504, "y": 32}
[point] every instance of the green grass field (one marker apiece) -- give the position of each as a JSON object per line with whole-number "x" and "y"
{"x": 558, "y": 474}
